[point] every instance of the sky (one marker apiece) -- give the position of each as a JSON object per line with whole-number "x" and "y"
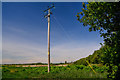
{"x": 24, "y": 33}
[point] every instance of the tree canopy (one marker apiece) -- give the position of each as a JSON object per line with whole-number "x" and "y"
{"x": 105, "y": 18}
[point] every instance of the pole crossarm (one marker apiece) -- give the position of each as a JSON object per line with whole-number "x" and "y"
{"x": 47, "y": 15}
{"x": 49, "y": 8}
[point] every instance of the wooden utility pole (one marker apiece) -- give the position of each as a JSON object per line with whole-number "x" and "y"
{"x": 48, "y": 16}
{"x": 48, "y": 40}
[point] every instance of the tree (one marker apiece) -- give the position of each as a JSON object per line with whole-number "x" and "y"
{"x": 105, "y": 18}
{"x": 65, "y": 62}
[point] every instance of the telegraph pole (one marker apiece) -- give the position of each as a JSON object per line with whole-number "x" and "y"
{"x": 48, "y": 40}
{"x": 48, "y": 16}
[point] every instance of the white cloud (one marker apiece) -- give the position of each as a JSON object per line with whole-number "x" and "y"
{"x": 28, "y": 53}
{"x": 17, "y": 30}
{"x": 72, "y": 51}
{"x": 23, "y": 52}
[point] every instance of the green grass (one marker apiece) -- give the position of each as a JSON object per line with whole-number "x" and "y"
{"x": 72, "y": 71}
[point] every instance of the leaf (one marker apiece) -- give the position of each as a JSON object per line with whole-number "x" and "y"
{"x": 81, "y": 13}
{"x": 83, "y": 4}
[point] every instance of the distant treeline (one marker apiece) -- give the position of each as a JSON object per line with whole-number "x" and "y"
{"x": 38, "y": 64}
{"x": 27, "y": 64}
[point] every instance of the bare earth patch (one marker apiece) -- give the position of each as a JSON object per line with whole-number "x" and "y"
{"x": 37, "y": 65}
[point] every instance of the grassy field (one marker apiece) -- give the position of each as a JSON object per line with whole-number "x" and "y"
{"x": 70, "y": 71}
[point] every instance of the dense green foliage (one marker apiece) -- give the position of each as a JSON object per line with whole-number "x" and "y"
{"x": 105, "y": 18}
{"x": 70, "y": 71}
